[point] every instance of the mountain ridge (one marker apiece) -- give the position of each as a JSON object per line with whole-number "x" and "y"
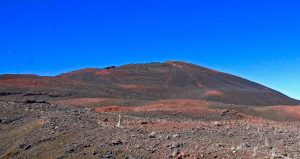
{"x": 150, "y": 81}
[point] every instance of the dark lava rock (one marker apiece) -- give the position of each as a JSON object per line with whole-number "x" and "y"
{"x": 73, "y": 147}
{"x": 109, "y": 154}
{"x": 10, "y": 119}
{"x": 175, "y": 145}
{"x": 224, "y": 112}
{"x": 94, "y": 153}
{"x": 70, "y": 150}
{"x": 152, "y": 135}
{"x": 22, "y": 145}
{"x": 8, "y": 93}
{"x": 144, "y": 123}
{"x": 27, "y": 147}
{"x": 29, "y": 101}
{"x": 117, "y": 142}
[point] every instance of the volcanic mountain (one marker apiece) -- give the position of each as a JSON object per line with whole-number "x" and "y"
{"x": 152, "y": 81}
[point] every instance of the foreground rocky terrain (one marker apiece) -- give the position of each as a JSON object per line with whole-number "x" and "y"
{"x": 42, "y": 130}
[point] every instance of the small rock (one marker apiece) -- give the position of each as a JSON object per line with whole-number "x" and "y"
{"x": 117, "y": 142}
{"x": 138, "y": 146}
{"x": 285, "y": 154}
{"x": 224, "y": 112}
{"x": 247, "y": 145}
{"x": 95, "y": 153}
{"x": 22, "y": 145}
{"x": 87, "y": 145}
{"x": 153, "y": 150}
{"x": 216, "y": 123}
{"x": 144, "y": 123}
{"x": 27, "y": 147}
{"x": 109, "y": 154}
{"x": 168, "y": 137}
{"x": 232, "y": 148}
{"x": 70, "y": 150}
{"x": 220, "y": 145}
{"x": 10, "y": 119}
{"x": 152, "y": 135}
{"x": 270, "y": 147}
{"x": 160, "y": 136}
{"x": 176, "y": 135}
{"x": 175, "y": 145}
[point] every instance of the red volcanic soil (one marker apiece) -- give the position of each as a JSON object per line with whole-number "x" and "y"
{"x": 115, "y": 105}
{"x": 35, "y": 82}
{"x": 24, "y": 81}
{"x": 97, "y": 102}
{"x": 186, "y": 106}
{"x": 80, "y": 101}
{"x": 115, "y": 109}
{"x": 213, "y": 93}
{"x": 188, "y": 109}
{"x": 132, "y": 86}
{"x": 288, "y": 111}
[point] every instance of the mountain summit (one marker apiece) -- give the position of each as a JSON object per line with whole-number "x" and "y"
{"x": 152, "y": 81}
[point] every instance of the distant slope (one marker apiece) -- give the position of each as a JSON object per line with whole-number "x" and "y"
{"x": 153, "y": 81}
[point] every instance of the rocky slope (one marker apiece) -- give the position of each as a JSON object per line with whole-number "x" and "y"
{"x": 153, "y": 81}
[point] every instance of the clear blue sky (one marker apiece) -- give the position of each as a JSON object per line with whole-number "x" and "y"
{"x": 255, "y": 39}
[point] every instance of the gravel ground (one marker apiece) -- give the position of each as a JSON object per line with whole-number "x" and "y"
{"x": 41, "y": 130}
